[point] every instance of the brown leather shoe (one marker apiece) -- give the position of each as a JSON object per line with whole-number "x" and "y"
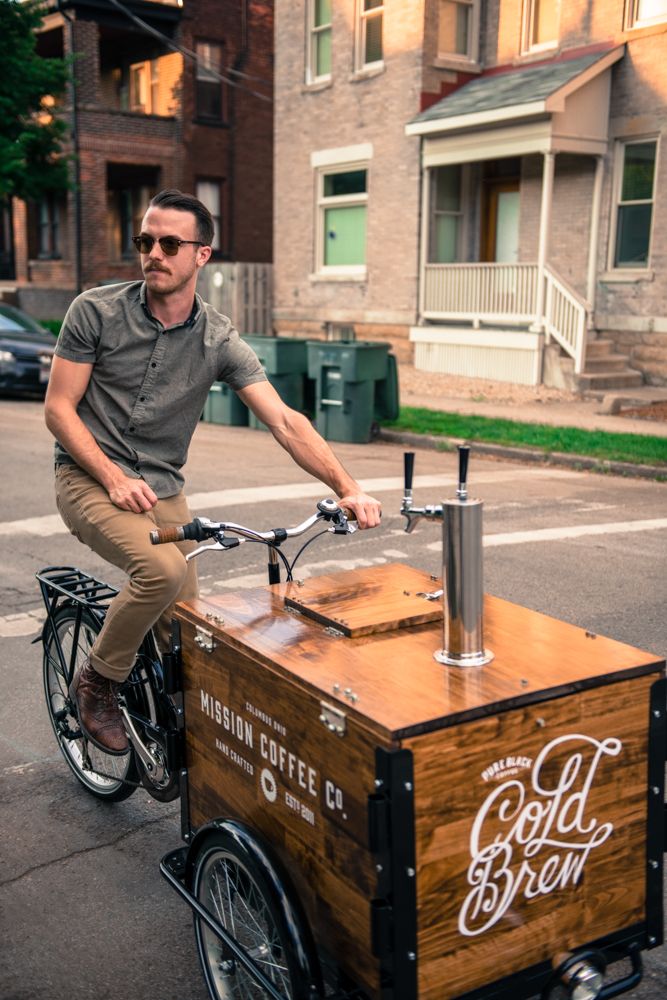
{"x": 97, "y": 708}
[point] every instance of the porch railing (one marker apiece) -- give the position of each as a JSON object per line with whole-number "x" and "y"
{"x": 565, "y": 315}
{"x": 507, "y": 293}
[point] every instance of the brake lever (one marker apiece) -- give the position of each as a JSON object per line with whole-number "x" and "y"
{"x": 219, "y": 545}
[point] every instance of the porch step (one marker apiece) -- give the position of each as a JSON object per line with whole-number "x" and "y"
{"x": 600, "y": 382}
{"x": 606, "y": 370}
{"x": 600, "y": 363}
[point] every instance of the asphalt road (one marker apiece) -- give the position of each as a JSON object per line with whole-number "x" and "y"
{"x": 83, "y": 910}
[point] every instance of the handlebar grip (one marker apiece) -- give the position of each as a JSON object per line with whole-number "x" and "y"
{"x": 161, "y": 535}
{"x": 408, "y": 469}
{"x": 193, "y": 531}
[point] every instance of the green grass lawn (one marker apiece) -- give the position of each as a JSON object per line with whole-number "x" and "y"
{"x": 603, "y": 445}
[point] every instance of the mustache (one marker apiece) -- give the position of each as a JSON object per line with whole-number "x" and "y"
{"x": 156, "y": 267}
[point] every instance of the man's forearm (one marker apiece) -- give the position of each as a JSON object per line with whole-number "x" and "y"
{"x": 310, "y": 451}
{"x": 71, "y": 432}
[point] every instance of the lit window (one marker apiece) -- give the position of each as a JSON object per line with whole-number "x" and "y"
{"x": 143, "y": 87}
{"x": 208, "y": 193}
{"x": 209, "y": 83}
{"x": 634, "y": 208}
{"x": 446, "y": 215}
{"x": 369, "y": 33}
{"x": 458, "y": 30}
{"x": 540, "y": 24}
{"x": 343, "y": 197}
{"x": 319, "y": 46}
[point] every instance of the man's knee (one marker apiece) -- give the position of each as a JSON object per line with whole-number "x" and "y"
{"x": 164, "y": 572}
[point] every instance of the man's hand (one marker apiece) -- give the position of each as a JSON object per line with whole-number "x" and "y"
{"x": 132, "y": 494}
{"x": 366, "y": 510}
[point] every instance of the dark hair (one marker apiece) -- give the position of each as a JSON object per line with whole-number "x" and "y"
{"x": 173, "y": 198}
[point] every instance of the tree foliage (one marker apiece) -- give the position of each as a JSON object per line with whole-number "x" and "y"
{"x": 32, "y": 130}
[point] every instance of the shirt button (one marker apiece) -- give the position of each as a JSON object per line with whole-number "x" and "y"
{"x": 142, "y": 399}
{"x": 153, "y": 364}
{"x": 131, "y": 430}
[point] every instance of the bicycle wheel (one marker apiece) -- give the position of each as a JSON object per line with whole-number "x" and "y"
{"x": 104, "y": 775}
{"x": 230, "y": 882}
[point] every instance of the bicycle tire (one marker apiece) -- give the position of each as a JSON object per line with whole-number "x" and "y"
{"x": 229, "y": 880}
{"x": 107, "y": 777}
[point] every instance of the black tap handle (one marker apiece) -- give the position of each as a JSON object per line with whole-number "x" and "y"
{"x": 408, "y": 469}
{"x": 464, "y": 455}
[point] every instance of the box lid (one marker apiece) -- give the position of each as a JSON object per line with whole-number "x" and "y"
{"x": 359, "y": 603}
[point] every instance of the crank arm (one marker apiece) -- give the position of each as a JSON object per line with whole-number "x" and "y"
{"x": 148, "y": 761}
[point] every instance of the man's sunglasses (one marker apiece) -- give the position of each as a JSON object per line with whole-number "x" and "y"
{"x": 168, "y": 244}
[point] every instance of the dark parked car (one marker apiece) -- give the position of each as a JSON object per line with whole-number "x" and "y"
{"x": 26, "y": 350}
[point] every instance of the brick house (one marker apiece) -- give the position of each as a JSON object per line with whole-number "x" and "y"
{"x": 165, "y": 95}
{"x": 479, "y": 181}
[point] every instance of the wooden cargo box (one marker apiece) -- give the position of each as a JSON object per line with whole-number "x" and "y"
{"x": 444, "y": 828}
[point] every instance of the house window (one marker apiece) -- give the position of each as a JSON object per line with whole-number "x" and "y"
{"x": 48, "y": 229}
{"x": 209, "y": 83}
{"x": 641, "y": 13}
{"x": 635, "y": 196}
{"x": 369, "y": 33}
{"x": 458, "y": 30}
{"x": 208, "y": 192}
{"x": 143, "y": 88}
{"x": 446, "y": 221}
{"x": 342, "y": 207}
{"x": 540, "y": 25}
{"x": 319, "y": 41}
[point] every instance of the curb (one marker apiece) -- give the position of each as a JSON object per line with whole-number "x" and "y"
{"x": 578, "y": 462}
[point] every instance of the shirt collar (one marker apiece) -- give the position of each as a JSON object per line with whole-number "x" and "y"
{"x": 190, "y": 321}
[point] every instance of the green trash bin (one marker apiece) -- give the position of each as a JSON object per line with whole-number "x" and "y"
{"x": 345, "y": 375}
{"x": 223, "y": 406}
{"x": 286, "y": 364}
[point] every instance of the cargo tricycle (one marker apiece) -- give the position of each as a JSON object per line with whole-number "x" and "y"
{"x": 397, "y": 788}
{"x": 393, "y": 786}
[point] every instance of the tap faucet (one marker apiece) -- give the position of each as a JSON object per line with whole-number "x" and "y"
{"x": 414, "y": 514}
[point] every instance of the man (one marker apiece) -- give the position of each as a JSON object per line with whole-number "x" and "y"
{"x": 131, "y": 372}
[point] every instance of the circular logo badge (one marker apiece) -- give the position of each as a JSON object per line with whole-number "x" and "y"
{"x": 268, "y": 783}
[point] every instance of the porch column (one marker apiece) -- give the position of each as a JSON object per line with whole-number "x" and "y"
{"x": 545, "y": 228}
{"x": 594, "y": 239}
{"x": 424, "y": 234}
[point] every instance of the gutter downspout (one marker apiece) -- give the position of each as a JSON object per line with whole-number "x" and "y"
{"x": 77, "y": 164}
{"x": 238, "y": 64}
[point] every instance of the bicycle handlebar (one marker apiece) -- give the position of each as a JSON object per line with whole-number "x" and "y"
{"x": 201, "y": 527}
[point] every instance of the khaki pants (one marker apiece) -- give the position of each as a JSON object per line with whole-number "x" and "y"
{"x": 158, "y": 574}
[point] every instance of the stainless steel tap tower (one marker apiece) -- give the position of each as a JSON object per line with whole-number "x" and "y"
{"x": 462, "y": 567}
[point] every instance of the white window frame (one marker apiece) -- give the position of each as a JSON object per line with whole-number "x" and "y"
{"x": 361, "y": 17}
{"x": 216, "y": 184}
{"x": 527, "y": 46}
{"x": 337, "y": 161}
{"x": 313, "y": 31}
{"x": 472, "y": 55}
{"x": 619, "y": 164}
{"x": 634, "y": 20}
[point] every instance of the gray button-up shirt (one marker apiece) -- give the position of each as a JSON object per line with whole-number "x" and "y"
{"x": 149, "y": 383}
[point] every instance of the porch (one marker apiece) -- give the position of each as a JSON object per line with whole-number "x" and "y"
{"x": 499, "y": 226}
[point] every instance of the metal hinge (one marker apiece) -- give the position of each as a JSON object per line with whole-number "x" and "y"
{"x": 204, "y": 639}
{"x": 332, "y": 717}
